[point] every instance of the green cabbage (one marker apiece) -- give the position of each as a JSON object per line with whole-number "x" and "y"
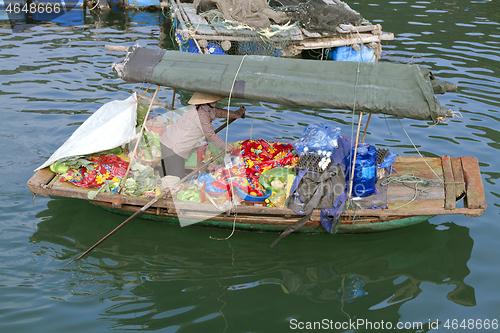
{"x": 59, "y": 167}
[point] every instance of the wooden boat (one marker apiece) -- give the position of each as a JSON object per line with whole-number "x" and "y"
{"x": 462, "y": 182}
{"x": 193, "y": 32}
{"x": 456, "y": 178}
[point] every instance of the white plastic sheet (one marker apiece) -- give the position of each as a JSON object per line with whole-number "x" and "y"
{"x": 111, "y": 126}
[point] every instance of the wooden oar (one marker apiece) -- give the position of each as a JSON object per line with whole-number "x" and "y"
{"x": 149, "y": 204}
{"x": 227, "y": 123}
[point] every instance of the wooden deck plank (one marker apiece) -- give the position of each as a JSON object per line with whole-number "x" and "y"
{"x": 199, "y": 24}
{"x": 349, "y": 28}
{"x": 458, "y": 175}
{"x": 419, "y": 168}
{"x": 449, "y": 183}
{"x": 475, "y": 197}
{"x": 314, "y": 41}
{"x": 41, "y": 177}
{"x": 400, "y": 192}
{"x": 418, "y": 206}
{"x": 416, "y": 166}
{"x": 196, "y": 23}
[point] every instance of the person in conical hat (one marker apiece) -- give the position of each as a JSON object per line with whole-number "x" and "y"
{"x": 199, "y": 98}
{"x": 179, "y": 140}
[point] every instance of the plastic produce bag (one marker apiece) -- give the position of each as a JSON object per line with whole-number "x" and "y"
{"x": 318, "y": 137}
{"x": 192, "y": 194}
{"x": 275, "y": 176}
{"x": 149, "y": 148}
{"x": 208, "y": 179}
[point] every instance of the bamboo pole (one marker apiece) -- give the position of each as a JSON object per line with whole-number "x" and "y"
{"x": 355, "y": 153}
{"x": 172, "y": 108}
{"x": 366, "y": 127}
{"x": 124, "y": 179}
{"x": 117, "y": 48}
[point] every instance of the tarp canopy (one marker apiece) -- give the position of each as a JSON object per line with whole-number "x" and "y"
{"x": 112, "y": 125}
{"x": 401, "y": 90}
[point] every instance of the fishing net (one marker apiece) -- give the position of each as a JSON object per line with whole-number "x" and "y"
{"x": 317, "y": 15}
{"x": 254, "y": 13}
{"x": 254, "y": 26}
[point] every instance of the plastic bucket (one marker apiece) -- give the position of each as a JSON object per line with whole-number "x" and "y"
{"x": 168, "y": 181}
{"x": 156, "y": 124}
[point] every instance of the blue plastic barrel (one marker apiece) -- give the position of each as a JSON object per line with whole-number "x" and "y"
{"x": 347, "y": 53}
{"x": 373, "y": 151}
{"x": 212, "y": 48}
{"x": 365, "y": 171}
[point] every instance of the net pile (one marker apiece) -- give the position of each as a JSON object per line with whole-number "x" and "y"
{"x": 254, "y": 27}
{"x": 317, "y": 15}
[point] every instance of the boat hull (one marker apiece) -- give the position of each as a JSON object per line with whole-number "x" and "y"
{"x": 346, "y": 226}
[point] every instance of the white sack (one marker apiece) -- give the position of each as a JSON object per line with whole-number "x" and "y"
{"x": 111, "y": 126}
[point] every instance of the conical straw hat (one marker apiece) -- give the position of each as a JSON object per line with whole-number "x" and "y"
{"x": 203, "y": 98}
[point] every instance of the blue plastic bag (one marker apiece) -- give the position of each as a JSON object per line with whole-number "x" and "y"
{"x": 318, "y": 137}
{"x": 388, "y": 160}
{"x": 208, "y": 179}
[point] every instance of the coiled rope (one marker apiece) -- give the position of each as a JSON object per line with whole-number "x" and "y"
{"x": 412, "y": 181}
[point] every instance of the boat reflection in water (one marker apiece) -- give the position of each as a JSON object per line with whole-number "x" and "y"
{"x": 164, "y": 275}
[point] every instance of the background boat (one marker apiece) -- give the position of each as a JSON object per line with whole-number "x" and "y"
{"x": 202, "y": 33}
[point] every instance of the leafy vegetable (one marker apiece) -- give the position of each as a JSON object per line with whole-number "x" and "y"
{"x": 75, "y": 162}
{"x": 59, "y": 167}
{"x": 149, "y": 146}
{"x": 113, "y": 151}
{"x": 107, "y": 187}
{"x": 142, "y": 179}
{"x": 142, "y": 110}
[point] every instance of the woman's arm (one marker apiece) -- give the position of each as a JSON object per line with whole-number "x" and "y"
{"x": 222, "y": 113}
{"x": 208, "y": 131}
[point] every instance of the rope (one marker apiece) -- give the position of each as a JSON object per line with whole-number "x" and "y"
{"x": 227, "y": 132}
{"x": 354, "y": 207}
{"x": 401, "y": 155}
{"x": 253, "y": 114}
{"x": 232, "y": 232}
{"x": 408, "y": 179}
{"x": 96, "y": 3}
{"x": 231, "y": 94}
{"x": 440, "y": 180}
